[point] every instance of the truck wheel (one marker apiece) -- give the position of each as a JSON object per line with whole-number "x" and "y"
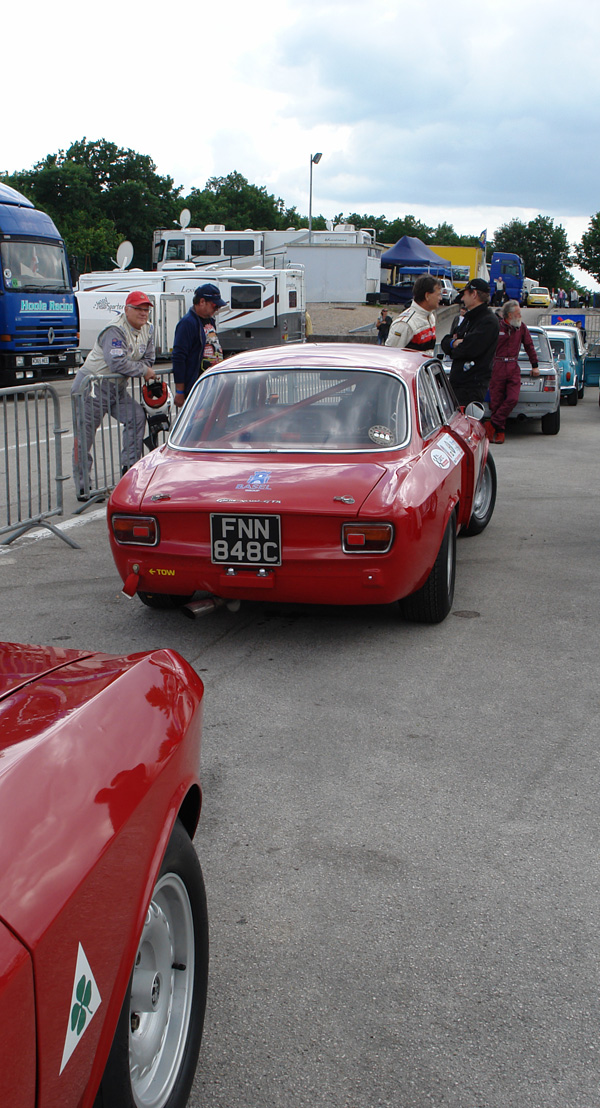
{"x": 432, "y": 602}
{"x": 551, "y": 423}
{"x": 155, "y": 1049}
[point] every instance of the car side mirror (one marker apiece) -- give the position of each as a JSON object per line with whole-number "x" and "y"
{"x": 475, "y": 410}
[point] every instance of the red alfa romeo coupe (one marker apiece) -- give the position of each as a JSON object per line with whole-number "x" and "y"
{"x": 103, "y": 929}
{"x": 319, "y": 474}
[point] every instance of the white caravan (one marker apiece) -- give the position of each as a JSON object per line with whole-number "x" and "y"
{"x": 341, "y": 264}
{"x": 265, "y": 307}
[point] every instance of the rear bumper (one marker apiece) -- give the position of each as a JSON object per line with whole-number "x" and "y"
{"x": 322, "y": 578}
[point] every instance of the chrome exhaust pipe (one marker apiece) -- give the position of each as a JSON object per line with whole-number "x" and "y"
{"x": 208, "y": 604}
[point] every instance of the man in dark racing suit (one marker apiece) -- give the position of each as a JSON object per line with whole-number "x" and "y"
{"x": 472, "y": 348}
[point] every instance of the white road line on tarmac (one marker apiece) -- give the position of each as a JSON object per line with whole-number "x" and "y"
{"x": 38, "y": 442}
{"x": 44, "y": 533}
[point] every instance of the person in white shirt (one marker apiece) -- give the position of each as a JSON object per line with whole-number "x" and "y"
{"x": 415, "y": 328}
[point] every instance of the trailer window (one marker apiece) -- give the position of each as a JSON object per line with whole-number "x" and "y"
{"x": 237, "y": 247}
{"x": 247, "y": 297}
{"x": 293, "y": 298}
{"x": 206, "y": 248}
{"x": 176, "y": 250}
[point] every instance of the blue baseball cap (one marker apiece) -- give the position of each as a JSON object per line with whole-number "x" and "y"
{"x": 210, "y": 292}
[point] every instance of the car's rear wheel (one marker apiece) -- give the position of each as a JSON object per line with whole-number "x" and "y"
{"x": 551, "y": 423}
{"x": 581, "y": 390}
{"x": 572, "y": 397}
{"x": 432, "y": 602}
{"x": 164, "y": 601}
{"x": 155, "y": 1049}
{"x": 485, "y": 500}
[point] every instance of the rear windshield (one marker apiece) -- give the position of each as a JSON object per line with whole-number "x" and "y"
{"x": 542, "y": 348}
{"x": 294, "y": 409}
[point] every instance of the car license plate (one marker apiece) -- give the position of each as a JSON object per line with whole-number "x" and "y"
{"x": 40, "y": 361}
{"x": 245, "y": 540}
{"x": 530, "y": 382}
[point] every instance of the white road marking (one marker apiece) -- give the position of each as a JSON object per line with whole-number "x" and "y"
{"x": 44, "y": 533}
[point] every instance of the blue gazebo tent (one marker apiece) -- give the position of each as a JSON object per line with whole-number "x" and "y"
{"x": 412, "y": 252}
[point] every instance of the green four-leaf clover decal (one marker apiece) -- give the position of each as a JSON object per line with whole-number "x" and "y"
{"x": 80, "y": 1010}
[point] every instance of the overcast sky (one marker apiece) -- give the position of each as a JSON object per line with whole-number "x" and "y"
{"x": 474, "y": 113}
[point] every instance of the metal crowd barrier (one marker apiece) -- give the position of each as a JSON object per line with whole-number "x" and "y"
{"x": 32, "y": 481}
{"x": 104, "y": 426}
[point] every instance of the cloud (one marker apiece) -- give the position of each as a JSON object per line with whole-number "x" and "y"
{"x": 440, "y": 108}
{"x": 450, "y": 104}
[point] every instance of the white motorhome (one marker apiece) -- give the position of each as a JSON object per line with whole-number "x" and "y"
{"x": 265, "y": 307}
{"x": 341, "y": 264}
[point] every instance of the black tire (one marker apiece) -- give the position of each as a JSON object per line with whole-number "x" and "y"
{"x": 551, "y": 423}
{"x": 164, "y": 601}
{"x": 484, "y": 500}
{"x": 581, "y": 390}
{"x": 432, "y": 602}
{"x": 573, "y": 397}
{"x": 154, "y": 1053}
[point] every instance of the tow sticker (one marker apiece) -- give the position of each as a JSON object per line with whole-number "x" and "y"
{"x": 85, "y": 1001}
{"x": 441, "y": 460}
{"x": 451, "y": 447}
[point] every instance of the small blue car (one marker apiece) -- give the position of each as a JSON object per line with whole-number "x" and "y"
{"x": 569, "y": 353}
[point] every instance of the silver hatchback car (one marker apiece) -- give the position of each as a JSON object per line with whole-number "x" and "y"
{"x": 539, "y": 397}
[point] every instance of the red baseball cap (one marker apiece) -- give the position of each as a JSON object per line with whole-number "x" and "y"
{"x": 136, "y": 299}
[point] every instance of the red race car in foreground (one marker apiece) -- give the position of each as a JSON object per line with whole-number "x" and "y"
{"x": 103, "y": 928}
{"x": 322, "y": 474}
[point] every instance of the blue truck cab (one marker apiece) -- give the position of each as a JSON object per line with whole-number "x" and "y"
{"x": 511, "y": 269}
{"x": 39, "y": 323}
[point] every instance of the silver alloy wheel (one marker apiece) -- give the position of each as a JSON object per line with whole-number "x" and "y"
{"x": 483, "y": 496}
{"x": 161, "y": 994}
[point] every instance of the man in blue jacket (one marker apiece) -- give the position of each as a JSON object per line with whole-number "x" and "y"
{"x": 196, "y": 340}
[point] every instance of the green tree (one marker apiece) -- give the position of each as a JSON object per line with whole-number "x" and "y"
{"x": 99, "y": 194}
{"x": 587, "y": 252}
{"x": 235, "y": 203}
{"x": 543, "y": 247}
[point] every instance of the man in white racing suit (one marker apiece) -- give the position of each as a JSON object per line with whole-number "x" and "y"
{"x": 125, "y": 348}
{"x": 415, "y": 328}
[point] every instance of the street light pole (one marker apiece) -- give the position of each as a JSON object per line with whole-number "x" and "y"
{"x": 314, "y": 159}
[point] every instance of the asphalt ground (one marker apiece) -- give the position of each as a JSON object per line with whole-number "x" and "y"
{"x": 400, "y": 830}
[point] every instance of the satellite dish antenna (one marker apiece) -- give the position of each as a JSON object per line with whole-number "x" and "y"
{"x": 124, "y": 255}
{"x": 184, "y": 218}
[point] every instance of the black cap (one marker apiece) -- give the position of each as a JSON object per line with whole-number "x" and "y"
{"x": 211, "y": 292}
{"x": 477, "y": 285}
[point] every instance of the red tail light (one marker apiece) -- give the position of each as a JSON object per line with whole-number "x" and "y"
{"x": 135, "y": 530}
{"x": 367, "y": 538}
